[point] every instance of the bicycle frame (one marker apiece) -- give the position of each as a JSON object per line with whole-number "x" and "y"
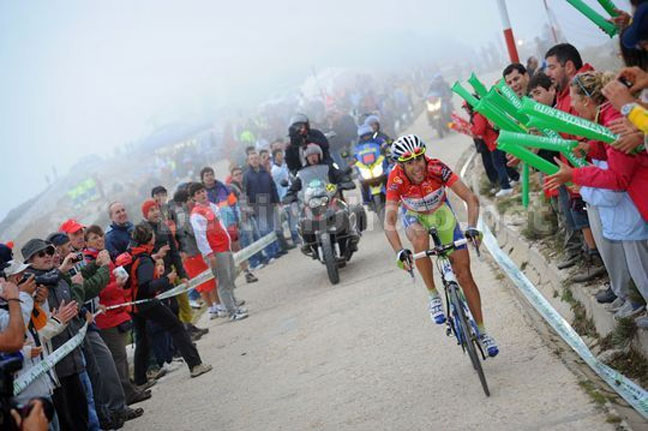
{"x": 449, "y": 281}
{"x": 460, "y": 320}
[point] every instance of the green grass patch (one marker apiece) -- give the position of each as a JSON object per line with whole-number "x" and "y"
{"x": 505, "y": 204}
{"x": 624, "y": 331}
{"x": 590, "y": 388}
{"x": 567, "y": 296}
{"x": 633, "y": 365}
{"x": 613, "y": 419}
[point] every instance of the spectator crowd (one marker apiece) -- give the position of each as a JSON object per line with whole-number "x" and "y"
{"x": 81, "y": 279}
{"x": 101, "y": 284}
{"x": 602, "y": 207}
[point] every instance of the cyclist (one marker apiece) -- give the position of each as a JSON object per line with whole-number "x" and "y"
{"x": 417, "y": 184}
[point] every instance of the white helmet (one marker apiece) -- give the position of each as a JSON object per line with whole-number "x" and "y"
{"x": 407, "y": 147}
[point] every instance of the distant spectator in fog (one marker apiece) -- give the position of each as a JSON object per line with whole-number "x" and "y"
{"x": 266, "y": 162}
{"x": 532, "y": 66}
{"x": 262, "y": 196}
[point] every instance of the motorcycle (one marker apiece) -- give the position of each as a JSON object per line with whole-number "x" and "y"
{"x": 438, "y": 113}
{"x": 372, "y": 168}
{"x": 329, "y": 228}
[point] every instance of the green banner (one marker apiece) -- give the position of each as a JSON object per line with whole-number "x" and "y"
{"x": 563, "y": 122}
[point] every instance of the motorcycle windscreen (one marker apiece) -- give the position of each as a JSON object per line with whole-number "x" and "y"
{"x": 311, "y": 176}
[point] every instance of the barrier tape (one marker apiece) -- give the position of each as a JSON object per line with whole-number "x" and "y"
{"x": 27, "y": 378}
{"x": 206, "y": 275}
{"x": 634, "y": 394}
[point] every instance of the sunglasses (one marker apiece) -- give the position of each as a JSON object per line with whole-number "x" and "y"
{"x": 582, "y": 87}
{"x": 48, "y": 251}
{"x": 408, "y": 156}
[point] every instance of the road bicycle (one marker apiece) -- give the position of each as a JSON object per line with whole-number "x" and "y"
{"x": 460, "y": 321}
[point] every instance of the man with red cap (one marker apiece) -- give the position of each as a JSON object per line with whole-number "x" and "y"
{"x": 74, "y": 231}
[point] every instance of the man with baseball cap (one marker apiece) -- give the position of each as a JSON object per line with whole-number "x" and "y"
{"x": 18, "y": 307}
{"x": 70, "y": 397}
{"x": 74, "y": 231}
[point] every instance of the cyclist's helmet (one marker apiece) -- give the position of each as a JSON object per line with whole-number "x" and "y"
{"x": 407, "y": 147}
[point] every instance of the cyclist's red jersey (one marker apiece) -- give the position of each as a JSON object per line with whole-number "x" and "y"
{"x": 425, "y": 197}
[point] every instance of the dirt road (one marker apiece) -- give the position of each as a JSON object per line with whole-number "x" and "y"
{"x": 364, "y": 355}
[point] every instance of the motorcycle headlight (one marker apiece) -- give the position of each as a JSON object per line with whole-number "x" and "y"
{"x": 377, "y": 170}
{"x": 365, "y": 173}
{"x": 434, "y": 106}
{"x": 318, "y": 202}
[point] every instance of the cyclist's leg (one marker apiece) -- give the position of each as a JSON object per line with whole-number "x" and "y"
{"x": 460, "y": 260}
{"x": 449, "y": 231}
{"x": 420, "y": 240}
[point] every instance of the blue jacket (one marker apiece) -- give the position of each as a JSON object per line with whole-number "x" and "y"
{"x": 117, "y": 238}
{"x": 280, "y": 173}
{"x": 260, "y": 187}
{"x": 620, "y": 218}
{"x": 218, "y": 194}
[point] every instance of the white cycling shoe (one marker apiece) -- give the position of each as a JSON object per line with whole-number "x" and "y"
{"x": 489, "y": 345}
{"x": 435, "y": 308}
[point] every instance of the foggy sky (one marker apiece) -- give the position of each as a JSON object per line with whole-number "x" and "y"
{"x": 82, "y": 77}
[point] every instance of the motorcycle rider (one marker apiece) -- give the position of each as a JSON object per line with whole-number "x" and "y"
{"x": 374, "y": 122}
{"x": 301, "y": 134}
{"x": 366, "y": 133}
{"x": 440, "y": 87}
{"x": 313, "y": 154}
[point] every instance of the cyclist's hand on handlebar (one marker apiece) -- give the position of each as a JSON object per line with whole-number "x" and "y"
{"x": 474, "y": 235}
{"x": 405, "y": 259}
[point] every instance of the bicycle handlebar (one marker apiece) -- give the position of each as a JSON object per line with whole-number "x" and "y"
{"x": 440, "y": 249}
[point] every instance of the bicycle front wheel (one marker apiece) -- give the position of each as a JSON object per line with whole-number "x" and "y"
{"x": 467, "y": 335}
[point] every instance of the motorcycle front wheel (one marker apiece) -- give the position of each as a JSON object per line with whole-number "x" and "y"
{"x": 329, "y": 258}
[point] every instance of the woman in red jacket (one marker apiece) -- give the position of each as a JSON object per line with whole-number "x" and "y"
{"x": 481, "y": 128}
{"x": 114, "y": 324}
{"x": 626, "y": 172}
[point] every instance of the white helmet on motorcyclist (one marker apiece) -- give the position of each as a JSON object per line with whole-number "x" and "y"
{"x": 371, "y": 120}
{"x": 407, "y": 147}
{"x": 364, "y": 130}
{"x": 313, "y": 149}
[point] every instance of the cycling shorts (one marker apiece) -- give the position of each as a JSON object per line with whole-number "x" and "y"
{"x": 443, "y": 219}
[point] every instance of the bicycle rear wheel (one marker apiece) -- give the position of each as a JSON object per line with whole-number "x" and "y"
{"x": 468, "y": 338}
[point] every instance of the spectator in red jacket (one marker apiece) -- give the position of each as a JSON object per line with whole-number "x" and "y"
{"x": 563, "y": 63}
{"x": 114, "y": 324}
{"x": 625, "y": 172}
{"x": 482, "y": 128}
{"x": 216, "y": 247}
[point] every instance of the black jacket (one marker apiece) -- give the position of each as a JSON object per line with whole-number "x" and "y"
{"x": 163, "y": 236}
{"x": 147, "y": 285}
{"x": 293, "y": 156}
{"x": 73, "y": 362}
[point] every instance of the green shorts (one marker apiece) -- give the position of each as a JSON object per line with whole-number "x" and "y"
{"x": 443, "y": 219}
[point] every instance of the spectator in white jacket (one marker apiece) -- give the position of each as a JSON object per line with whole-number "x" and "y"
{"x": 40, "y": 328}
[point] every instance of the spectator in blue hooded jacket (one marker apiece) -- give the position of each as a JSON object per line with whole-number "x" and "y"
{"x": 118, "y": 236}
{"x": 263, "y": 198}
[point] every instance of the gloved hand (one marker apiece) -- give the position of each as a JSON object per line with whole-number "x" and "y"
{"x": 474, "y": 234}
{"x": 405, "y": 259}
